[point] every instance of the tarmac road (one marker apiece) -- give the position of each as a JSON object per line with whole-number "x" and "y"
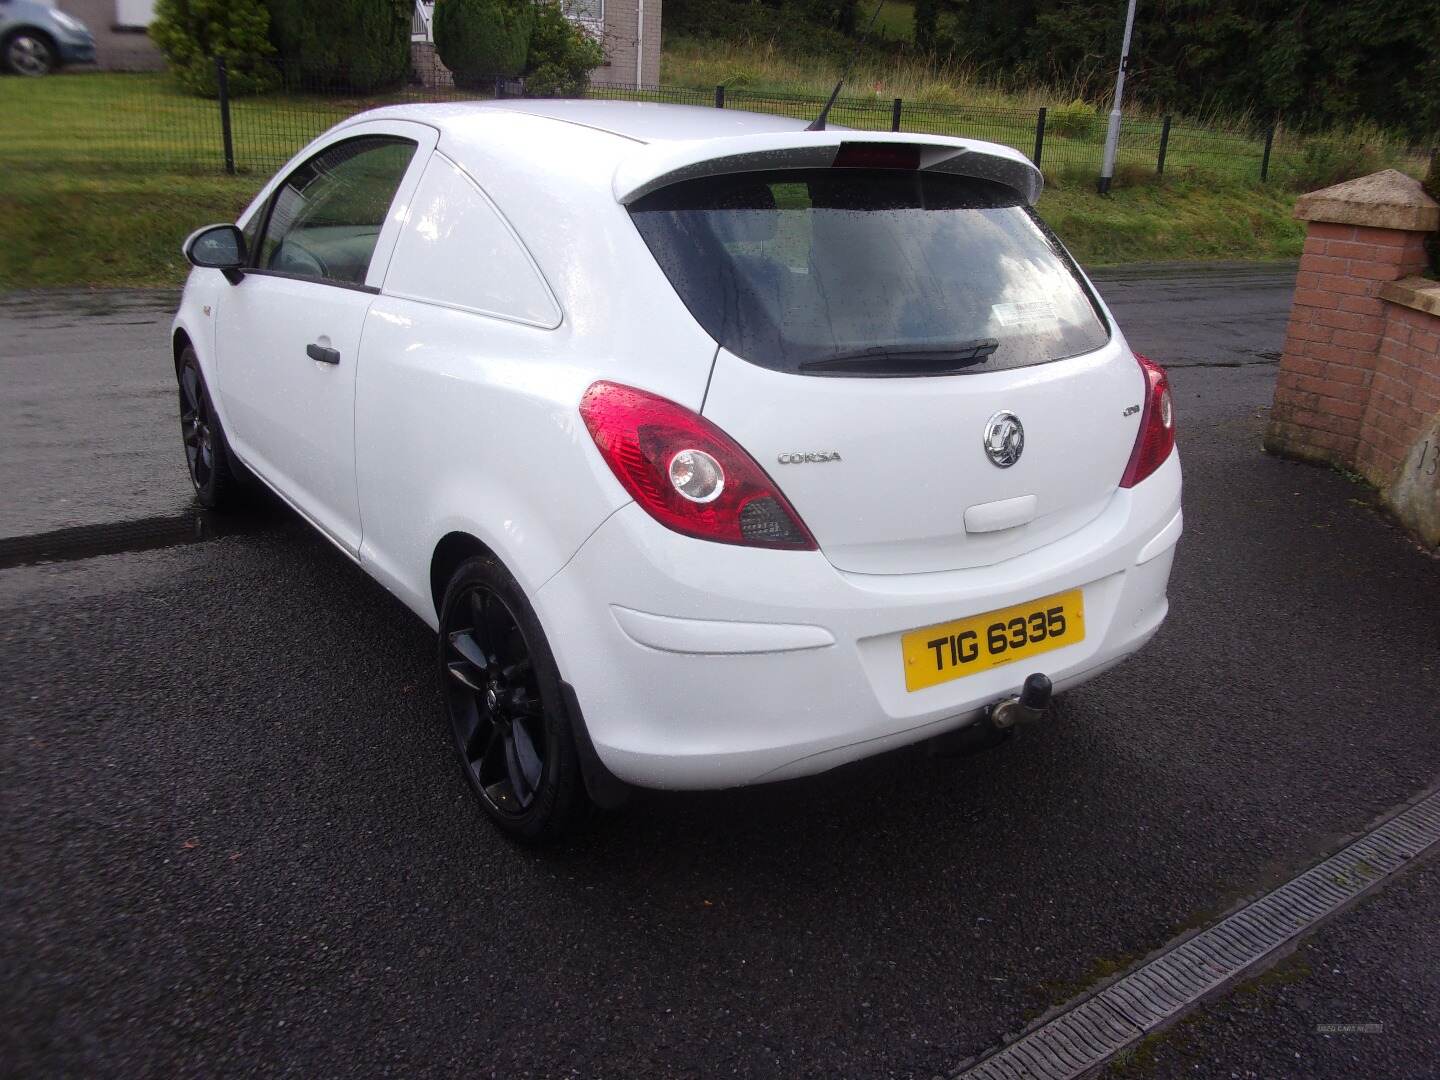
{"x": 233, "y": 840}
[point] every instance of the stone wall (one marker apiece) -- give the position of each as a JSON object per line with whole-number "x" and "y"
{"x": 1359, "y": 381}
{"x": 425, "y": 65}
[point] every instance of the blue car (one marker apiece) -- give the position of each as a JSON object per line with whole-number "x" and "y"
{"x": 36, "y": 38}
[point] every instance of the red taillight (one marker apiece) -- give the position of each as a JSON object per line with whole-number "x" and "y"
{"x": 687, "y": 473}
{"x": 862, "y": 155}
{"x": 1157, "y": 426}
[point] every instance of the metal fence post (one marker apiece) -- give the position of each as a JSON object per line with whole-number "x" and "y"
{"x": 1265, "y": 159}
{"x": 1039, "y": 136}
{"x": 1164, "y": 145}
{"x": 222, "y": 85}
{"x": 895, "y": 114}
{"x": 720, "y": 96}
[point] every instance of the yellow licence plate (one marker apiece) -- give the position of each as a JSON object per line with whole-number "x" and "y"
{"x": 953, "y": 650}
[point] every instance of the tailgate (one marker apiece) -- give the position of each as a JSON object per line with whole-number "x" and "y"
{"x": 892, "y": 476}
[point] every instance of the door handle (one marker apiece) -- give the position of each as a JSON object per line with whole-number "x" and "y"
{"x": 323, "y": 353}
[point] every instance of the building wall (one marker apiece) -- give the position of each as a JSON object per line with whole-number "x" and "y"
{"x": 623, "y": 35}
{"x": 115, "y": 50}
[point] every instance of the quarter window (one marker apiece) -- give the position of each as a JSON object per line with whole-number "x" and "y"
{"x": 327, "y": 216}
{"x": 454, "y": 225}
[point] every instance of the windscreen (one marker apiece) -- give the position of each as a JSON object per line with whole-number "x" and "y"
{"x": 869, "y": 272}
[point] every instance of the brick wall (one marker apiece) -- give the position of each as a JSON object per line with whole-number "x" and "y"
{"x": 1359, "y": 380}
{"x": 1405, "y": 392}
{"x": 1335, "y": 328}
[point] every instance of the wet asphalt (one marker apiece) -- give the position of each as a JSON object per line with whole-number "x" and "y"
{"x": 1358, "y": 999}
{"x": 234, "y": 841}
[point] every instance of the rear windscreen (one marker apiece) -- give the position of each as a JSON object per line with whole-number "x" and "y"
{"x": 881, "y": 272}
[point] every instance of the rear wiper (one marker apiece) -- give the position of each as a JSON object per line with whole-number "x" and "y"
{"x": 900, "y": 361}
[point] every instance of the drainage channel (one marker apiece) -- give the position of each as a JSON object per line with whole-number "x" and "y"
{"x": 143, "y": 534}
{"x": 1095, "y": 1029}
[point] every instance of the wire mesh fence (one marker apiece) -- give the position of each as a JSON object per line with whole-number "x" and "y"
{"x": 146, "y": 122}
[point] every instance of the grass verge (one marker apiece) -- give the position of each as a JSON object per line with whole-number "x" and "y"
{"x": 1183, "y": 218}
{"x": 63, "y": 229}
{"x": 119, "y": 230}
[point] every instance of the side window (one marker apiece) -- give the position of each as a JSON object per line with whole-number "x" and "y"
{"x": 453, "y": 225}
{"x": 326, "y": 217}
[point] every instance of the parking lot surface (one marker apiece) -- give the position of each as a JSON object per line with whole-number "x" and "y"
{"x": 235, "y": 842}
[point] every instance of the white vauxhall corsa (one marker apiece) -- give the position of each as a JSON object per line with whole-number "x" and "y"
{"x": 717, "y": 450}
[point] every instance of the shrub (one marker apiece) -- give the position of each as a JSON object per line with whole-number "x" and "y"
{"x": 562, "y": 55}
{"x": 1078, "y": 120}
{"x": 346, "y": 45}
{"x": 192, "y": 33}
{"x": 785, "y": 26}
{"x": 481, "y": 39}
{"x": 1338, "y": 156}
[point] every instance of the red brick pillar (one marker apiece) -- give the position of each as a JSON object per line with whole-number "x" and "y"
{"x": 1362, "y": 235}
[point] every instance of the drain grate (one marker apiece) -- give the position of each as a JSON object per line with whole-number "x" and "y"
{"x": 1101, "y": 1025}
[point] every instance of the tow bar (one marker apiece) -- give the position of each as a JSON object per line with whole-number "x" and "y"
{"x": 998, "y": 722}
{"x": 1027, "y": 708}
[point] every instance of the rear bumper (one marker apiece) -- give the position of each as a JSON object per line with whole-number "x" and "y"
{"x": 702, "y": 665}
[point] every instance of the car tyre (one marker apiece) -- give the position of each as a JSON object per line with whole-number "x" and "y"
{"x": 507, "y": 714}
{"x": 29, "y": 53}
{"x": 207, "y": 453}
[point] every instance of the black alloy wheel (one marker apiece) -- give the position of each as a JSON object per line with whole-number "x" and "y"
{"x": 207, "y": 455}
{"x": 506, "y": 715}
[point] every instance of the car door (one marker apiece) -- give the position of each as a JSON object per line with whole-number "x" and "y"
{"x": 288, "y": 333}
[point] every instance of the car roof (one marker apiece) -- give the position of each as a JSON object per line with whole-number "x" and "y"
{"x": 653, "y": 143}
{"x": 638, "y": 121}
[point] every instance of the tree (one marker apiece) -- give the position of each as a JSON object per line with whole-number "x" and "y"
{"x": 561, "y": 55}
{"x": 1311, "y": 62}
{"x": 479, "y": 40}
{"x": 350, "y": 45}
{"x": 190, "y": 34}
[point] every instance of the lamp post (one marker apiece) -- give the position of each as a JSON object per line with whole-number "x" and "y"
{"x": 1112, "y": 133}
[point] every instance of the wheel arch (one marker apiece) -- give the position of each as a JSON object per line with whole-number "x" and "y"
{"x": 33, "y": 31}
{"x": 453, "y": 549}
{"x": 603, "y": 787}
{"x": 179, "y": 341}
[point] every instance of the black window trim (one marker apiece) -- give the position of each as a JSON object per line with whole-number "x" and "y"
{"x": 268, "y": 208}
{"x": 373, "y": 290}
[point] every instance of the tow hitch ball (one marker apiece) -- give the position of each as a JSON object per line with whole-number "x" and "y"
{"x": 1027, "y": 708}
{"x": 997, "y": 723}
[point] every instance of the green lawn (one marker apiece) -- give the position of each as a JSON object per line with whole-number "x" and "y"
{"x": 62, "y": 229}
{"x": 102, "y": 176}
{"x": 138, "y": 122}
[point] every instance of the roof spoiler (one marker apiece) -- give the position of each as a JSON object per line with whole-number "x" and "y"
{"x": 661, "y": 164}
